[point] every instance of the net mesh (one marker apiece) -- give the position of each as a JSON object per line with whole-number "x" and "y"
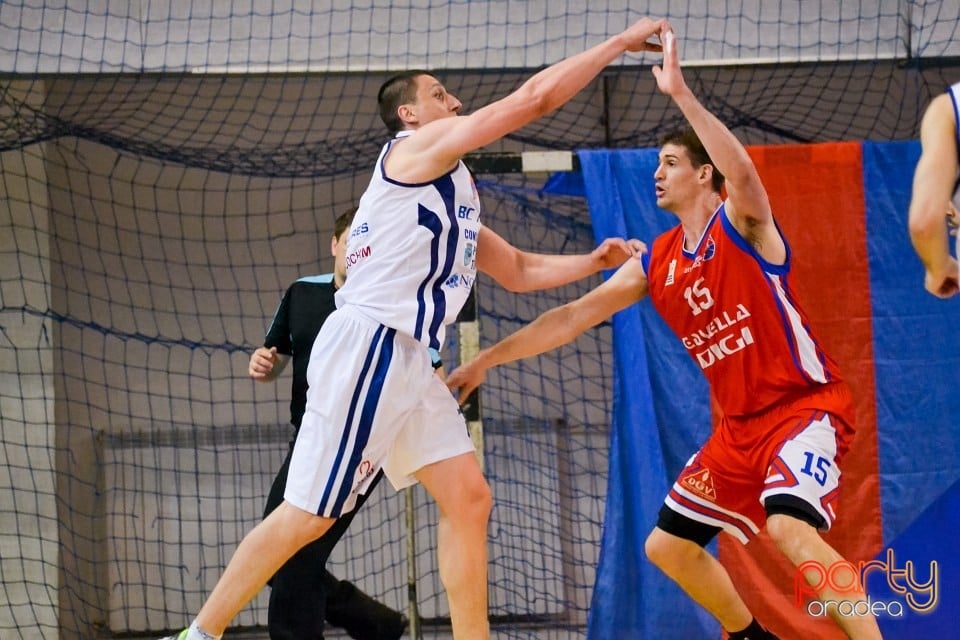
{"x": 167, "y": 169}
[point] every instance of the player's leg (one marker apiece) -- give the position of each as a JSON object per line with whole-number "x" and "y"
{"x": 801, "y": 542}
{"x": 464, "y": 500}
{"x": 799, "y": 494}
{"x": 699, "y": 574}
{"x": 433, "y": 447}
{"x": 303, "y": 593}
{"x": 297, "y": 593}
{"x": 257, "y": 558}
{"x": 347, "y": 606}
{"x": 701, "y": 503}
{"x": 324, "y": 475}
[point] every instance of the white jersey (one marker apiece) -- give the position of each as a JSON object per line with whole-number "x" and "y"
{"x": 954, "y": 92}
{"x": 411, "y": 253}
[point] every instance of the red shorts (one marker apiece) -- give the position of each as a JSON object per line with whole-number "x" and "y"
{"x": 790, "y": 453}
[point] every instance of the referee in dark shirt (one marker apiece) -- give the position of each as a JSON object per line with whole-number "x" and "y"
{"x": 303, "y": 592}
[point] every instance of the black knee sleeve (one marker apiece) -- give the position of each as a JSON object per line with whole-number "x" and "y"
{"x": 794, "y": 507}
{"x": 687, "y": 528}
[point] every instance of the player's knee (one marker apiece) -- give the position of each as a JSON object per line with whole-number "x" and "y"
{"x": 790, "y": 534}
{"x": 667, "y": 551}
{"x": 304, "y": 527}
{"x": 655, "y": 547}
{"x": 478, "y": 500}
{"x": 469, "y": 501}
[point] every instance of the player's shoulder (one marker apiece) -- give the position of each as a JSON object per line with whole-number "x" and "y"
{"x": 312, "y": 286}
{"x": 317, "y": 280}
{"x": 654, "y": 256}
{"x": 940, "y": 111}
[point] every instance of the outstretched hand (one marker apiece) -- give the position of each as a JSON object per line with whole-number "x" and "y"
{"x": 944, "y": 282}
{"x": 669, "y": 77}
{"x": 636, "y": 36}
{"x": 465, "y": 378}
{"x": 613, "y": 252}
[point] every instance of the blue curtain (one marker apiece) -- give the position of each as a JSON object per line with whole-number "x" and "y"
{"x": 661, "y": 416}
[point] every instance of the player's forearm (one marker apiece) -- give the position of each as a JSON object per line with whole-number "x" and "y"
{"x": 928, "y": 210}
{"x": 552, "y": 329}
{"x": 556, "y": 84}
{"x": 725, "y": 150}
{"x": 928, "y": 233}
{"x": 541, "y": 271}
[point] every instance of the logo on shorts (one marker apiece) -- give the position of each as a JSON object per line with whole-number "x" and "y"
{"x": 701, "y": 483}
{"x": 365, "y": 469}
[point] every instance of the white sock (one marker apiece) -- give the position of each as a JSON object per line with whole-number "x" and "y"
{"x": 196, "y": 633}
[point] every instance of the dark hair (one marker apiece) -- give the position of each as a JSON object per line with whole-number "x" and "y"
{"x": 688, "y": 139}
{"x": 399, "y": 90}
{"x": 343, "y": 222}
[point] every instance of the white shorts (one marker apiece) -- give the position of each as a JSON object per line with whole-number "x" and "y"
{"x": 806, "y": 469}
{"x": 373, "y": 401}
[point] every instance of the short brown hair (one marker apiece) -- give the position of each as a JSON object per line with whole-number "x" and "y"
{"x": 343, "y": 222}
{"x": 689, "y": 140}
{"x": 398, "y": 90}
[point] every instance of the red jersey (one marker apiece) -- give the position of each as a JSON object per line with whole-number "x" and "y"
{"x": 738, "y": 318}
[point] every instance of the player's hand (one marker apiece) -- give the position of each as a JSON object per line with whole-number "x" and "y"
{"x": 669, "y": 77}
{"x": 465, "y": 378}
{"x": 944, "y": 283}
{"x": 613, "y": 252}
{"x": 637, "y": 36}
{"x": 262, "y": 362}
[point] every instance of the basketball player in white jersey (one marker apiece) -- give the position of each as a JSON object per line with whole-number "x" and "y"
{"x": 934, "y": 185}
{"x": 412, "y": 255}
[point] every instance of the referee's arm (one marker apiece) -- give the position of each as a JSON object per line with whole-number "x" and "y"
{"x": 266, "y": 364}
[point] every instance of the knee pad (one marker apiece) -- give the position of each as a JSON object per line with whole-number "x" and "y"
{"x": 794, "y": 507}
{"x": 687, "y": 528}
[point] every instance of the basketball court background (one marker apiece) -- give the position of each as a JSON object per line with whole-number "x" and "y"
{"x": 167, "y": 169}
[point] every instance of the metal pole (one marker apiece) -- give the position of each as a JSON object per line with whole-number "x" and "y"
{"x": 413, "y": 611}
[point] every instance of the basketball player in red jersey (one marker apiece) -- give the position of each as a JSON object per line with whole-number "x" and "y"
{"x": 721, "y": 280}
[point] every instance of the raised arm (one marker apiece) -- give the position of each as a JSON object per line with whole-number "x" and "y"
{"x": 933, "y": 183}
{"x": 436, "y": 146}
{"x": 747, "y": 204}
{"x": 520, "y": 271}
{"x": 555, "y": 327}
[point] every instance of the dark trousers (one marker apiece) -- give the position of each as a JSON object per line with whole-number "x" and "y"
{"x": 303, "y": 593}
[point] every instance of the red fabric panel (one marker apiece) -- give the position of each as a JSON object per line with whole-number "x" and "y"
{"x": 816, "y": 192}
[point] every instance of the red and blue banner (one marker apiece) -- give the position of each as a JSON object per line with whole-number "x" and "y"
{"x": 843, "y": 209}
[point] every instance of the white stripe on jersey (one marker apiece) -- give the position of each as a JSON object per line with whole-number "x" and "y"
{"x": 411, "y": 252}
{"x": 806, "y": 347}
{"x": 954, "y": 91}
